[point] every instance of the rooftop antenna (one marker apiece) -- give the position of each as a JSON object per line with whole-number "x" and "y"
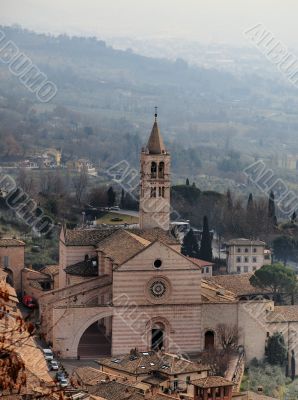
{"x": 155, "y": 115}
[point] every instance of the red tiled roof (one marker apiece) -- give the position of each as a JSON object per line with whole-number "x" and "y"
{"x": 11, "y": 243}
{"x": 200, "y": 263}
{"x": 211, "y": 382}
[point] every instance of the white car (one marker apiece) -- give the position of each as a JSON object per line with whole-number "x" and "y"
{"x": 48, "y": 354}
{"x": 54, "y": 366}
{"x": 64, "y": 382}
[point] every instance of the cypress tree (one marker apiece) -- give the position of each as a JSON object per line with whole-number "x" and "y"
{"x": 293, "y": 366}
{"x": 206, "y": 242}
{"x": 271, "y": 208}
{"x": 229, "y": 199}
{"x": 187, "y": 182}
{"x": 190, "y": 245}
{"x": 122, "y": 200}
{"x": 250, "y": 202}
{"x": 111, "y": 196}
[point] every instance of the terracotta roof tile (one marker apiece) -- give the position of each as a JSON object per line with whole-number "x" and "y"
{"x": 50, "y": 269}
{"x": 200, "y": 263}
{"x": 93, "y": 237}
{"x": 156, "y": 234}
{"x": 211, "y": 381}
{"x": 121, "y": 245}
{"x": 238, "y": 284}
{"x": 89, "y": 376}
{"x": 213, "y": 293}
{"x": 86, "y": 237}
{"x": 142, "y": 363}
{"x": 11, "y": 243}
{"x": 116, "y": 391}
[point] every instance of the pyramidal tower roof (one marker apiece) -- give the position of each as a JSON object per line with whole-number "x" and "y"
{"x": 155, "y": 143}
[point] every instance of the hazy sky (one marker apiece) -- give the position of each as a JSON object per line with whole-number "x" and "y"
{"x": 203, "y": 20}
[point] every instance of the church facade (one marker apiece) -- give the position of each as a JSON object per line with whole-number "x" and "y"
{"x": 138, "y": 290}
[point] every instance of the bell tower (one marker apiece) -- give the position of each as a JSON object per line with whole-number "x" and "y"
{"x": 155, "y": 182}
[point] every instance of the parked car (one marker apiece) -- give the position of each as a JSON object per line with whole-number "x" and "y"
{"x": 64, "y": 382}
{"x": 48, "y": 354}
{"x": 60, "y": 375}
{"x": 53, "y": 365}
{"x": 28, "y": 301}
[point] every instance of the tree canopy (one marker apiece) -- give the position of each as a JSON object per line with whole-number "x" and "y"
{"x": 206, "y": 242}
{"x": 190, "y": 245}
{"x": 277, "y": 278}
{"x": 283, "y": 248}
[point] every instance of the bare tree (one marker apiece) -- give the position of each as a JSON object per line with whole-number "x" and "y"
{"x": 80, "y": 183}
{"x": 228, "y": 336}
{"x": 25, "y": 181}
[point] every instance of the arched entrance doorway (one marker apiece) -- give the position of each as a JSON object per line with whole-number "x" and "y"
{"x": 157, "y": 336}
{"x": 209, "y": 340}
{"x": 96, "y": 341}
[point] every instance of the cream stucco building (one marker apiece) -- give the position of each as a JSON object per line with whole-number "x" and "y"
{"x": 245, "y": 255}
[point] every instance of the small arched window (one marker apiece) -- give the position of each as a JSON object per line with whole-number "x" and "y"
{"x": 153, "y": 169}
{"x": 161, "y": 170}
{"x": 153, "y": 192}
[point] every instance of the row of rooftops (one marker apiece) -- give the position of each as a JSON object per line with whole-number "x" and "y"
{"x": 131, "y": 375}
{"x": 119, "y": 245}
{"x": 143, "y": 363}
{"x": 92, "y": 237}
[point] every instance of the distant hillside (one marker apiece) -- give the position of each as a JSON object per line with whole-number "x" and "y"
{"x": 104, "y": 106}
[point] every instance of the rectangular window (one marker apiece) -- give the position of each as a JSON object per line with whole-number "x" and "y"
{"x": 238, "y": 270}
{"x": 245, "y": 268}
{"x": 254, "y": 250}
{"x": 238, "y": 250}
{"x": 246, "y": 259}
{"x": 238, "y": 259}
{"x": 246, "y": 250}
{"x": 254, "y": 259}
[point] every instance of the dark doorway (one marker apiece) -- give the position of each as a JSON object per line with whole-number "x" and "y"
{"x": 157, "y": 339}
{"x": 209, "y": 340}
{"x": 95, "y": 341}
